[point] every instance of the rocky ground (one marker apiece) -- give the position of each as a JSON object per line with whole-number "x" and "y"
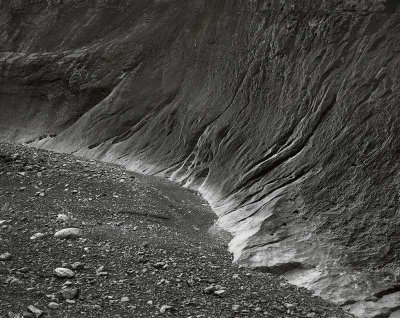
{"x": 283, "y": 114}
{"x": 136, "y": 246}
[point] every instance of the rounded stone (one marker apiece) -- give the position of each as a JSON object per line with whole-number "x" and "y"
{"x": 62, "y": 272}
{"x": 5, "y": 256}
{"x": 69, "y": 233}
{"x": 53, "y": 305}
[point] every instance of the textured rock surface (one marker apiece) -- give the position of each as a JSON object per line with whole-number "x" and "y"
{"x": 284, "y": 114}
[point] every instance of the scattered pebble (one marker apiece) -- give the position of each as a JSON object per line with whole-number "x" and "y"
{"x": 53, "y": 305}
{"x": 26, "y": 314}
{"x": 77, "y": 266}
{"x": 165, "y": 308}
{"x": 5, "y": 256}
{"x": 69, "y": 293}
{"x": 62, "y": 217}
{"x": 62, "y": 272}
{"x": 220, "y": 293}
{"x": 69, "y": 233}
{"x": 36, "y": 311}
{"x": 12, "y": 280}
{"x": 37, "y": 236}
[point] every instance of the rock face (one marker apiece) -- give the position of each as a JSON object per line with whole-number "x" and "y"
{"x": 284, "y": 114}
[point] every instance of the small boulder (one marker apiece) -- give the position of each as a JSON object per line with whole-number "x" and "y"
{"x": 12, "y": 280}
{"x": 37, "y": 236}
{"x": 220, "y": 293}
{"x": 5, "y": 256}
{"x": 69, "y": 293}
{"x": 69, "y": 233}
{"x": 53, "y": 305}
{"x": 210, "y": 289}
{"x": 62, "y": 217}
{"x": 165, "y": 308}
{"x": 62, "y": 272}
{"x": 77, "y": 266}
{"x": 36, "y": 311}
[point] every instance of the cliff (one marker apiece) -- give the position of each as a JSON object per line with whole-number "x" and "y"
{"x": 284, "y": 115}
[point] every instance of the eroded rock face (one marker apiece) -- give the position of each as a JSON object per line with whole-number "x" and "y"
{"x": 284, "y": 114}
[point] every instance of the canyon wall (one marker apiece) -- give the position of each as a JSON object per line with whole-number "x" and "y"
{"x": 284, "y": 114}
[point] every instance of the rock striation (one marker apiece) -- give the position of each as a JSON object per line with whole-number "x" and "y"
{"x": 284, "y": 115}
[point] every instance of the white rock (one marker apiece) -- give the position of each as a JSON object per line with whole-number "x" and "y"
{"x": 69, "y": 233}
{"x": 210, "y": 289}
{"x": 53, "y": 305}
{"x": 165, "y": 308}
{"x": 63, "y": 272}
{"x": 77, "y": 266}
{"x": 124, "y": 299}
{"x": 37, "y": 236}
{"x": 5, "y": 256}
{"x": 12, "y": 280}
{"x": 62, "y": 217}
{"x": 36, "y": 311}
{"x": 70, "y": 293}
{"x": 220, "y": 293}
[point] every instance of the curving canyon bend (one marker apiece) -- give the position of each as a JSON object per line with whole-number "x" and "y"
{"x": 209, "y": 158}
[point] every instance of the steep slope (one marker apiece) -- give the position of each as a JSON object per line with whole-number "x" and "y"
{"x": 283, "y": 114}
